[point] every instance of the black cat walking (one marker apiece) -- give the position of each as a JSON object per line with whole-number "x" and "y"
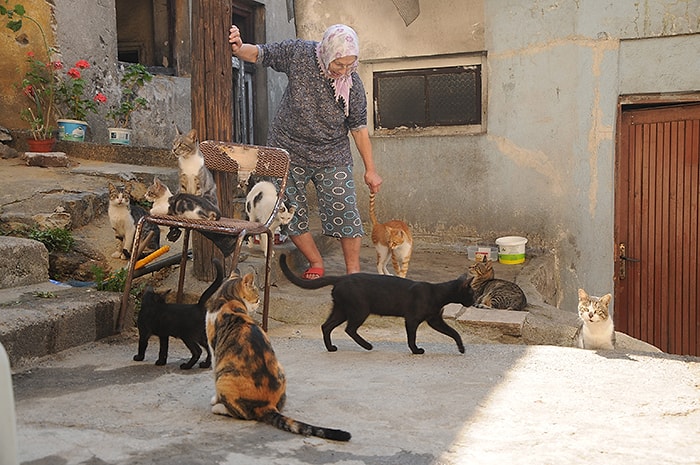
{"x": 357, "y": 295}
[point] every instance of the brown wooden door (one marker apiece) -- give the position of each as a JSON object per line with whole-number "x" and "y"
{"x": 657, "y": 266}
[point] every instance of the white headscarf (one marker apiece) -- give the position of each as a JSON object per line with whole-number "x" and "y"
{"x": 338, "y": 41}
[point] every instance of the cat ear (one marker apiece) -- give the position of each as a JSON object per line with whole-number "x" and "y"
{"x": 192, "y": 134}
{"x": 249, "y": 279}
{"x": 605, "y": 300}
{"x": 582, "y": 295}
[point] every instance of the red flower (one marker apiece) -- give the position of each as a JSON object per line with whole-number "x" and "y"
{"x": 82, "y": 64}
{"x": 28, "y": 91}
{"x": 30, "y": 54}
{"x": 100, "y": 98}
{"x": 74, "y": 73}
{"x": 56, "y": 65}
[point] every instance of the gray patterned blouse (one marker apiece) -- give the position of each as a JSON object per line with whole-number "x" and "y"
{"x": 309, "y": 123}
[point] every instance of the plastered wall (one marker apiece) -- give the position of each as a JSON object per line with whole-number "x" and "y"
{"x": 544, "y": 167}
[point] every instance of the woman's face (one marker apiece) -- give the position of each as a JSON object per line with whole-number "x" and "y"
{"x": 342, "y": 66}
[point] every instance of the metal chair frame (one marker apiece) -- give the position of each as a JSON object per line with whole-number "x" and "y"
{"x": 239, "y": 160}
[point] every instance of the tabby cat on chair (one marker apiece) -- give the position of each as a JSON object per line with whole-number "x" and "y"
{"x": 195, "y": 177}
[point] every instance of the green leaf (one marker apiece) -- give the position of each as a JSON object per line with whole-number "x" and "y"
{"x": 15, "y": 25}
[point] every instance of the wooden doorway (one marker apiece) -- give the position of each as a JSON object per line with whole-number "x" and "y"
{"x": 657, "y": 193}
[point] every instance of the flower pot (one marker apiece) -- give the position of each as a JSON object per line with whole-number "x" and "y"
{"x": 72, "y": 130}
{"x": 119, "y": 136}
{"x": 41, "y": 145}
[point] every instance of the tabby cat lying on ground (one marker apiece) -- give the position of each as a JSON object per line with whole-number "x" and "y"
{"x": 357, "y": 295}
{"x": 248, "y": 379}
{"x": 184, "y": 321}
{"x": 596, "y": 330}
{"x": 490, "y": 292}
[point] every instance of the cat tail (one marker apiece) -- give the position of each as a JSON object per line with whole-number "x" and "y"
{"x": 285, "y": 423}
{"x": 213, "y": 286}
{"x": 372, "y": 215}
{"x": 306, "y": 283}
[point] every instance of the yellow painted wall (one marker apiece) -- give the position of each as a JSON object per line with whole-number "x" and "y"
{"x": 13, "y": 52}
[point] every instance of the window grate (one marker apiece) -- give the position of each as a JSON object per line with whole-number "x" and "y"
{"x": 428, "y": 97}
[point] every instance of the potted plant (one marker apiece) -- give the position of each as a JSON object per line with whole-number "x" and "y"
{"x": 73, "y": 106}
{"x": 38, "y": 84}
{"x": 50, "y": 92}
{"x": 134, "y": 77}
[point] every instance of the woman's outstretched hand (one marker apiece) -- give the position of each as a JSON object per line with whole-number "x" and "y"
{"x": 234, "y": 38}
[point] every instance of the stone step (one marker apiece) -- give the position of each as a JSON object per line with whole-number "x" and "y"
{"x": 42, "y": 319}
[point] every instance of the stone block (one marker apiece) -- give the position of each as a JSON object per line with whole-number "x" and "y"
{"x": 48, "y": 159}
{"x": 508, "y": 322}
{"x": 22, "y": 262}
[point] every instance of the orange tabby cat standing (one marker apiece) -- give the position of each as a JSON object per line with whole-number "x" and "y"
{"x": 392, "y": 240}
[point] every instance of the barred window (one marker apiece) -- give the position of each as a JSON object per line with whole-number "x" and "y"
{"x": 417, "y": 98}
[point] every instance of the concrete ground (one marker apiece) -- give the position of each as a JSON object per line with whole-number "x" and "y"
{"x": 496, "y": 404}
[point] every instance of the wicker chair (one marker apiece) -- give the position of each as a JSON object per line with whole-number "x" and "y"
{"x": 231, "y": 164}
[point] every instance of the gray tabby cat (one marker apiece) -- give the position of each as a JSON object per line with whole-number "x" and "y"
{"x": 495, "y": 293}
{"x": 123, "y": 217}
{"x": 195, "y": 177}
{"x": 596, "y": 330}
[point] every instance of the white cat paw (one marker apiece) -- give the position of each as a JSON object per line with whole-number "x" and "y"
{"x": 219, "y": 409}
{"x": 214, "y": 400}
{"x": 117, "y": 255}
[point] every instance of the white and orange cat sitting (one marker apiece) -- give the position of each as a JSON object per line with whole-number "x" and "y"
{"x": 392, "y": 240}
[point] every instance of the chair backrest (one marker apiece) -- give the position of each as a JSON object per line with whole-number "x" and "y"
{"x": 232, "y": 165}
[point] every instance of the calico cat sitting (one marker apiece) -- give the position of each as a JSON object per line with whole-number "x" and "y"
{"x": 123, "y": 217}
{"x": 596, "y": 329}
{"x": 259, "y": 204}
{"x": 392, "y": 240}
{"x": 249, "y": 381}
{"x": 490, "y": 292}
{"x": 357, "y": 295}
{"x": 184, "y": 321}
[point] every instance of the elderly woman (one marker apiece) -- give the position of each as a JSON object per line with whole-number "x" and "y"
{"x": 324, "y": 99}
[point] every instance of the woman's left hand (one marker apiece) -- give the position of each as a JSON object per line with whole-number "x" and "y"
{"x": 373, "y": 181}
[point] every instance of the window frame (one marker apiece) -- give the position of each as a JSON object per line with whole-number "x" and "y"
{"x": 368, "y": 69}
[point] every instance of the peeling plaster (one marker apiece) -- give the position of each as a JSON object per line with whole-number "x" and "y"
{"x": 598, "y": 132}
{"x": 534, "y": 49}
{"x": 533, "y": 159}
